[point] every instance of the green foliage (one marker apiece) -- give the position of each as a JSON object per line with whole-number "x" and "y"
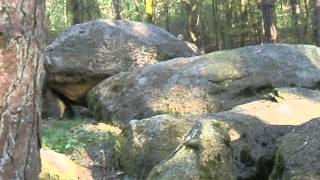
{"x": 221, "y": 24}
{"x": 71, "y": 136}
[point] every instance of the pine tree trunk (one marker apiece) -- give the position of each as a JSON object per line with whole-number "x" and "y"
{"x": 296, "y": 23}
{"x": 244, "y": 22}
{"x": 317, "y": 21}
{"x": 192, "y": 9}
{"x": 76, "y": 12}
{"x": 117, "y": 8}
{"x": 215, "y": 14}
{"x": 269, "y": 21}
{"x": 21, "y": 71}
{"x": 306, "y": 21}
{"x": 137, "y": 7}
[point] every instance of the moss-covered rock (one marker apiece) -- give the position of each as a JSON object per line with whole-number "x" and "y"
{"x": 147, "y": 142}
{"x": 297, "y": 155}
{"x": 210, "y": 83}
{"x": 87, "y": 53}
{"x": 204, "y": 154}
{"x": 253, "y": 128}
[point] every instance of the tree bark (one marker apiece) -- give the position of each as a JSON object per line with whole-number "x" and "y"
{"x": 21, "y": 72}
{"x": 244, "y": 22}
{"x": 215, "y": 14}
{"x": 227, "y": 37}
{"x": 137, "y": 7}
{"x": 317, "y": 21}
{"x": 306, "y": 21}
{"x": 192, "y": 9}
{"x": 296, "y": 23}
{"x": 76, "y": 12}
{"x": 269, "y": 21}
{"x": 166, "y": 12}
{"x": 117, "y": 8}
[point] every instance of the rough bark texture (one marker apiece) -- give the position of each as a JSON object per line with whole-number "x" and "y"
{"x": 76, "y": 12}
{"x": 21, "y": 45}
{"x": 296, "y": 23}
{"x": 317, "y": 21}
{"x": 117, "y": 8}
{"x": 192, "y": 9}
{"x": 269, "y": 20}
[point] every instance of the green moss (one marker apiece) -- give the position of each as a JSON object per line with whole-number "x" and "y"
{"x": 139, "y": 159}
{"x": 216, "y": 124}
{"x": 70, "y": 136}
{"x": 94, "y": 105}
{"x": 97, "y": 108}
{"x": 170, "y": 111}
{"x": 206, "y": 171}
{"x": 279, "y": 166}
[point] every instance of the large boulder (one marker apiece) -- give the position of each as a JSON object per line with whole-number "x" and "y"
{"x": 87, "y": 53}
{"x": 298, "y": 154}
{"x": 204, "y": 154}
{"x": 211, "y": 83}
{"x": 145, "y": 143}
{"x": 253, "y": 129}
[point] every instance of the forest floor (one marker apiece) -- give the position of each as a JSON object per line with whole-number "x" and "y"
{"x": 85, "y": 142}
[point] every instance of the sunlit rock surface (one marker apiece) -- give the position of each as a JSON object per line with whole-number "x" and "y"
{"x": 205, "y": 153}
{"x": 253, "y": 132}
{"x": 87, "y": 53}
{"x": 210, "y": 83}
{"x": 58, "y": 166}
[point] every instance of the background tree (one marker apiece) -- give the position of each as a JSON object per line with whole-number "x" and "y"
{"x": 192, "y": 9}
{"x": 317, "y": 21}
{"x": 212, "y": 24}
{"x": 76, "y": 12}
{"x": 21, "y": 34}
{"x": 117, "y": 8}
{"x": 269, "y": 21}
{"x": 296, "y": 23}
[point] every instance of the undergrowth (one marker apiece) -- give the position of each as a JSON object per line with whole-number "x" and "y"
{"x": 72, "y": 136}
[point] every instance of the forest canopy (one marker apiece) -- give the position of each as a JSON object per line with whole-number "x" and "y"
{"x": 211, "y": 24}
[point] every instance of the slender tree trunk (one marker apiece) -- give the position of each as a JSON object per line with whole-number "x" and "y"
{"x": 192, "y": 8}
{"x": 244, "y": 22}
{"x": 317, "y": 21}
{"x": 76, "y": 12}
{"x": 253, "y": 22}
{"x": 21, "y": 46}
{"x": 306, "y": 22}
{"x": 117, "y": 8}
{"x": 259, "y": 25}
{"x": 296, "y": 23}
{"x": 215, "y": 14}
{"x": 166, "y": 12}
{"x": 227, "y": 37}
{"x": 65, "y": 12}
{"x": 137, "y": 7}
{"x": 269, "y": 21}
